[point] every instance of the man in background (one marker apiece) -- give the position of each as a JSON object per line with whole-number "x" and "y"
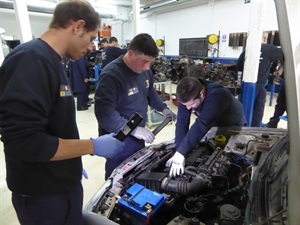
{"x": 38, "y": 120}
{"x": 102, "y": 44}
{"x": 79, "y": 82}
{"x": 93, "y": 62}
{"x": 111, "y": 51}
{"x": 280, "y": 107}
{"x": 126, "y": 87}
{"x": 268, "y": 53}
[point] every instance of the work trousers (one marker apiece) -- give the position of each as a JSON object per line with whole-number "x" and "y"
{"x": 280, "y": 106}
{"x": 259, "y": 105}
{"x": 60, "y": 209}
{"x": 83, "y": 97}
{"x": 131, "y": 146}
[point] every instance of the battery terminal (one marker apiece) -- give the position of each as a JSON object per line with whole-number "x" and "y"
{"x": 148, "y": 208}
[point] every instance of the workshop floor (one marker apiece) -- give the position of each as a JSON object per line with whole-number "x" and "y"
{"x": 94, "y": 166}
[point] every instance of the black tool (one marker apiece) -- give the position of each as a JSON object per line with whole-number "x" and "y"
{"x": 161, "y": 125}
{"x": 132, "y": 123}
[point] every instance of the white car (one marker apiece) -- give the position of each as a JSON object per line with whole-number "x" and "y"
{"x": 234, "y": 176}
{"x": 216, "y": 187}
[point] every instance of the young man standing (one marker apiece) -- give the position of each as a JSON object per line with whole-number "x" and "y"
{"x": 38, "y": 121}
{"x": 126, "y": 87}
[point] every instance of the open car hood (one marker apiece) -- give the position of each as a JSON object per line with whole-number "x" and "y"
{"x": 234, "y": 176}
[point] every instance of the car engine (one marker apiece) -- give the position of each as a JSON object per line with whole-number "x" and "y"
{"x": 217, "y": 187}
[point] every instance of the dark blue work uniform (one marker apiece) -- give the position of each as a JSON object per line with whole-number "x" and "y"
{"x": 78, "y": 74}
{"x": 120, "y": 94}
{"x": 268, "y": 53}
{"x": 219, "y": 109}
{"x": 37, "y": 107}
{"x": 110, "y": 53}
{"x": 280, "y": 106}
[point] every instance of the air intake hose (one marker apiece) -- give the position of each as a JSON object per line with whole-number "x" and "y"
{"x": 182, "y": 186}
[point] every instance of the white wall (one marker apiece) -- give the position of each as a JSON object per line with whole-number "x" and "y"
{"x": 39, "y": 23}
{"x": 226, "y": 16}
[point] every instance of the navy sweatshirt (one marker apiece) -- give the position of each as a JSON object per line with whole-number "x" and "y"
{"x": 219, "y": 108}
{"x": 110, "y": 53}
{"x": 268, "y": 53}
{"x": 36, "y": 107}
{"x": 122, "y": 92}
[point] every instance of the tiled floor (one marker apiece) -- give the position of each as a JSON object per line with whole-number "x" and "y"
{"x": 93, "y": 165}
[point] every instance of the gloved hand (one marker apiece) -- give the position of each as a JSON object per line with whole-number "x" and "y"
{"x": 85, "y": 174}
{"x": 144, "y": 134}
{"x": 107, "y": 146}
{"x": 177, "y": 164}
{"x": 168, "y": 113}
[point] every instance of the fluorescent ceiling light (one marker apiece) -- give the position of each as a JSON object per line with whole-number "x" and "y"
{"x": 43, "y": 4}
{"x": 157, "y": 4}
{"x": 104, "y": 7}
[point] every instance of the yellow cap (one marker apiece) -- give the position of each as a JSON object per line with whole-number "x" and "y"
{"x": 159, "y": 42}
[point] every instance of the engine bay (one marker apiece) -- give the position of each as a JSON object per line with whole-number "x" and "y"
{"x": 215, "y": 188}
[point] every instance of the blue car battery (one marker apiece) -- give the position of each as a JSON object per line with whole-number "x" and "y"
{"x": 141, "y": 201}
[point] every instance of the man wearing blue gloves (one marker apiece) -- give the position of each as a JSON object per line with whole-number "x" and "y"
{"x": 126, "y": 87}
{"x": 38, "y": 121}
{"x": 213, "y": 104}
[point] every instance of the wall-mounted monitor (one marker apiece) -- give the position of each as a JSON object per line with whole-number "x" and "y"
{"x": 193, "y": 47}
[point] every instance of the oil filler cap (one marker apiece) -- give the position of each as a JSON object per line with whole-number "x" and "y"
{"x": 230, "y": 212}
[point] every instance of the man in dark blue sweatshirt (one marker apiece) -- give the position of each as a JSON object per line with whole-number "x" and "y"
{"x": 38, "y": 121}
{"x": 126, "y": 87}
{"x": 214, "y": 106}
{"x": 111, "y": 51}
{"x": 268, "y": 53}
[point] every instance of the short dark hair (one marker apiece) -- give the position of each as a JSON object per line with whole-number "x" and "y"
{"x": 188, "y": 89}
{"x": 104, "y": 40}
{"x": 113, "y": 39}
{"x": 74, "y": 10}
{"x": 144, "y": 43}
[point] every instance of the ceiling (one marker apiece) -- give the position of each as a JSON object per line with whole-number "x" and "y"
{"x": 108, "y": 8}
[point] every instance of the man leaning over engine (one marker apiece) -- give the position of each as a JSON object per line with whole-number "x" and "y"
{"x": 213, "y": 104}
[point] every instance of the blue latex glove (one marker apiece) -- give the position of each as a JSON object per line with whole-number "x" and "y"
{"x": 107, "y": 146}
{"x": 168, "y": 113}
{"x": 85, "y": 174}
{"x": 143, "y": 134}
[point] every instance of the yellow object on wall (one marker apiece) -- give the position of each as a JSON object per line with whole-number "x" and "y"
{"x": 160, "y": 42}
{"x": 213, "y": 39}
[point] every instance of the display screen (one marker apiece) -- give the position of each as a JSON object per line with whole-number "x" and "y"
{"x": 193, "y": 47}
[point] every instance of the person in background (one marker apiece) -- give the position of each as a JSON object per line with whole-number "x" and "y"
{"x": 126, "y": 87}
{"x": 93, "y": 57}
{"x": 93, "y": 65}
{"x": 213, "y": 104}
{"x": 280, "y": 106}
{"x": 79, "y": 82}
{"x": 38, "y": 120}
{"x": 268, "y": 53}
{"x": 102, "y": 44}
{"x": 111, "y": 51}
